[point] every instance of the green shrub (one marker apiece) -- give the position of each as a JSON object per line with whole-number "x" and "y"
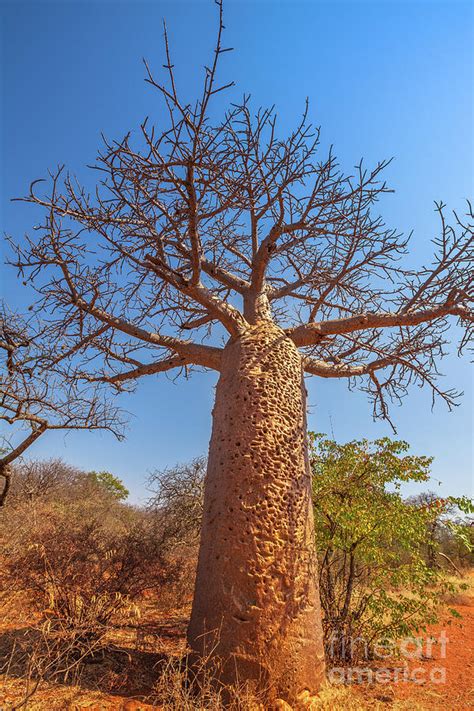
{"x": 375, "y": 579}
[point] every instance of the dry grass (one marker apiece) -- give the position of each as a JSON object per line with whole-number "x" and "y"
{"x": 345, "y": 698}
{"x": 180, "y": 688}
{"x": 464, "y": 590}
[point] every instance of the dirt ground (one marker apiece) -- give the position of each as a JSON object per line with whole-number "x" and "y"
{"x": 440, "y": 675}
{"x": 436, "y": 674}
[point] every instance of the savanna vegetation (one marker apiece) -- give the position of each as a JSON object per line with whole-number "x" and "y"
{"x": 84, "y": 565}
{"x": 212, "y": 241}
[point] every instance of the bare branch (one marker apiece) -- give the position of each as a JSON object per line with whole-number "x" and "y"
{"x": 39, "y": 398}
{"x": 310, "y": 334}
{"x": 211, "y": 226}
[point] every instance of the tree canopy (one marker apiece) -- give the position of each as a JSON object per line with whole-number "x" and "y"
{"x": 201, "y": 227}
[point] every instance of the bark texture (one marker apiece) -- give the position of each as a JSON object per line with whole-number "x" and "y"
{"x": 256, "y": 604}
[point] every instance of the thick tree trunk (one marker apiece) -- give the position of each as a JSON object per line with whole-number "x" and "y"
{"x": 256, "y": 603}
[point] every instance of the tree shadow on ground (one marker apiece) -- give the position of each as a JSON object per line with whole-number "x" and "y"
{"x": 125, "y": 669}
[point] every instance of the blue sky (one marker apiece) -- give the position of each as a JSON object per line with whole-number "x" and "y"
{"x": 384, "y": 79}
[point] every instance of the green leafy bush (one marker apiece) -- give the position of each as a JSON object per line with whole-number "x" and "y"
{"x": 375, "y": 579}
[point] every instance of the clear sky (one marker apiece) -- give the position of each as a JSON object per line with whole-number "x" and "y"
{"x": 384, "y": 78}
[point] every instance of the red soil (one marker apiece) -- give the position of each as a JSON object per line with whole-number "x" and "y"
{"x": 444, "y": 672}
{"x": 442, "y": 676}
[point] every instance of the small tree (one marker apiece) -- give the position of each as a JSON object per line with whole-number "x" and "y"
{"x": 438, "y": 507}
{"x": 209, "y": 231}
{"x": 177, "y": 506}
{"x": 178, "y": 500}
{"x": 110, "y": 483}
{"x": 41, "y": 479}
{"x": 375, "y": 580}
{"x": 449, "y": 528}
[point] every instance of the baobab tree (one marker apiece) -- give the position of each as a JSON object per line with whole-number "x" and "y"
{"x": 219, "y": 244}
{"x": 35, "y": 398}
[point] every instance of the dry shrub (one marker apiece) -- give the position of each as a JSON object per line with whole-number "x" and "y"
{"x": 82, "y": 559}
{"x": 178, "y": 499}
{"x": 72, "y": 563}
{"x": 70, "y": 542}
{"x": 176, "y": 506}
